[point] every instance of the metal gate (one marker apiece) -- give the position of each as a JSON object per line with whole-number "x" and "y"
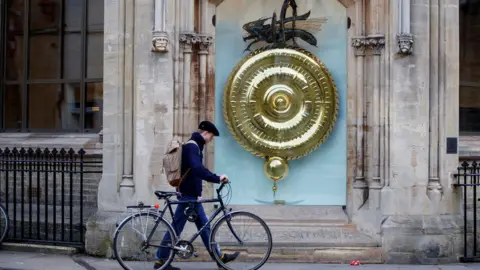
{"x": 45, "y": 194}
{"x": 468, "y": 176}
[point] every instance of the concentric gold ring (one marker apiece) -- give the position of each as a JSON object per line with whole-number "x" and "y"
{"x": 280, "y": 102}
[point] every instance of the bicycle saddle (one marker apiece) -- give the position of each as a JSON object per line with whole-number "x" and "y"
{"x": 164, "y": 194}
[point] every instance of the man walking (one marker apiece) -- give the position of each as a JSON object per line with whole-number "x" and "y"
{"x": 190, "y": 189}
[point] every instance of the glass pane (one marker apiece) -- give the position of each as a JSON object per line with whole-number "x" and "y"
{"x": 70, "y": 106}
{"x": 14, "y": 45}
{"x": 15, "y": 59}
{"x": 469, "y": 97}
{"x": 95, "y": 55}
{"x": 15, "y": 10}
{"x": 51, "y": 107}
{"x": 470, "y": 108}
{"x": 94, "y": 106}
{"x": 45, "y": 15}
{"x": 13, "y": 106}
{"x": 44, "y": 57}
{"x": 72, "y": 56}
{"x": 73, "y": 15}
{"x": 95, "y": 15}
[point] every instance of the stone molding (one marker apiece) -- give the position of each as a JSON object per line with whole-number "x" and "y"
{"x": 358, "y": 43}
{"x": 187, "y": 40}
{"x": 376, "y": 43}
{"x": 345, "y": 3}
{"x": 206, "y": 41}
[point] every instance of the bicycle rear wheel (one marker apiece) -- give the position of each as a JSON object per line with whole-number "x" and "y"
{"x": 254, "y": 243}
{"x": 3, "y": 224}
{"x": 129, "y": 241}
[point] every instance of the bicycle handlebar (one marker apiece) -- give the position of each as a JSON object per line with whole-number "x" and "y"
{"x": 221, "y": 187}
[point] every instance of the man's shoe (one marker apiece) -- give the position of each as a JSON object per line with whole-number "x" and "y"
{"x": 159, "y": 264}
{"x": 226, "y": 258}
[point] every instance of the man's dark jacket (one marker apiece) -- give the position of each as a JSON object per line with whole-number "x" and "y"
{"x": 192, "y": 156}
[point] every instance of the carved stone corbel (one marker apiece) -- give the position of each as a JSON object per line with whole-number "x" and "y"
{"x": 376, "y": 43}
{"x": 404, "y": 39}
{"x": 187, "y": 40}
{"x": 160, "y": 42}
{"x": 160, "y": 39}
{"x": 405, "y": 43}
{"x": 205, "y": 42}
{"x": 358, "y": 43}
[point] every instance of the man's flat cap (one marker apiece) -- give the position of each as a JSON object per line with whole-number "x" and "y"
{"x": 210, "y": 127}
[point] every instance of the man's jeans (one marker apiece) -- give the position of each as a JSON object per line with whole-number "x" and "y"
{"x": 180, "y": 220}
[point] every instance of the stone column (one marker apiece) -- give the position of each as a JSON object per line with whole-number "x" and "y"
{"x": 160, "y": 40}
{"x": 358, "y": 43}
{"x": 449, "y": 82}
{"x": 434, "y": 188}
{"x": 138, "y": 102}
{"x": 117, "y": 117}
{"x": 419, "y": 208}
{"x": 369, "y": 50}
{"x": 187, "y": 39}
{"x": 127, "y": 185}
{"x": 178, "y": 72}
{"x": 404, "y": 37}
{"x": 376, "y": 43}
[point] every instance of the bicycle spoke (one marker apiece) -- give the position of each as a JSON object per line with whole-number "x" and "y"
{"x": 244, "y": 233}
{"x": 130, "y": 241}
{"x": 3, "y": 224}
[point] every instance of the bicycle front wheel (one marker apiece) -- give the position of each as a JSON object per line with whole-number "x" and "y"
{"x": 3, "y": 224}
{"x": 245, "y": 233}
{"x": 131, "y": 244}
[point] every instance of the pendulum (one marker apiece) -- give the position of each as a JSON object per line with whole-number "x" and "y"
{"x": 275, "y": 168}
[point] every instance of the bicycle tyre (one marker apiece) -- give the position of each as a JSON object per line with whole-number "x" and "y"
{"x": 126, "y": 220}
{"x": 250, "y": 215}
{"x": 3, "y": 234}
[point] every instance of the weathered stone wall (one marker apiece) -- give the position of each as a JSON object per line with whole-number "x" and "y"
{"x": 400, "y": 195}
{"x": 420, "y": 209}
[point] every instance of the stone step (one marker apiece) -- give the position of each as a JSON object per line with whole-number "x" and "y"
{"x": 323, "y": 226}
{"x": 340, "y": 255}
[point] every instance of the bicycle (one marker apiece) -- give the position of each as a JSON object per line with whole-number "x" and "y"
{"x": 3, "y": 223}
{"x": 184, "y": 248}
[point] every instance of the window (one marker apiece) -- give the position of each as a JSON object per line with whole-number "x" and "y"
{"x": 469, "y": 66}
{"x": 52, "y": 65}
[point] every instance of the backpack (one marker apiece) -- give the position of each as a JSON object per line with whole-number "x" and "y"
{"x": 172, "y": 162}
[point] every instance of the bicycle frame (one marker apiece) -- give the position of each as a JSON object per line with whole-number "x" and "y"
{"x": 168, "y": 205}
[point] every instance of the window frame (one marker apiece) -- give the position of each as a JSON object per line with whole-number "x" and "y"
{"x": 462, "y": 51}
{"x": 25, "y": 82}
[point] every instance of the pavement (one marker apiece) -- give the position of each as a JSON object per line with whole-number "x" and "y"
{"x": 13, "y": 260}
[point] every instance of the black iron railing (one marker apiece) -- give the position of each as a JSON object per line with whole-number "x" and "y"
{"x": 43, "y": 192}
{"x": 468, "y": 176}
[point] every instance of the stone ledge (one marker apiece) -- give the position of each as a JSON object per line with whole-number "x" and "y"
{"x": 469, "y": 146}
{"x": 47, "y": 249}
{"x": 309, "y": 255}
{"x": 89, "y": 142}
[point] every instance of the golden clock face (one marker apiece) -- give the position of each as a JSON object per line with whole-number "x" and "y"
{"x": 280, "y": 103}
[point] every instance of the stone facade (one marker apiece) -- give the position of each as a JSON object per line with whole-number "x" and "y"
{"x": 402, "y": 68}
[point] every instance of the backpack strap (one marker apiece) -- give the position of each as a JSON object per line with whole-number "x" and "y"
{"x": 188, "y": 170}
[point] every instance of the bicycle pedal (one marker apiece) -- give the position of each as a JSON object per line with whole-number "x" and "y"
{"x": 195, "y": 254}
